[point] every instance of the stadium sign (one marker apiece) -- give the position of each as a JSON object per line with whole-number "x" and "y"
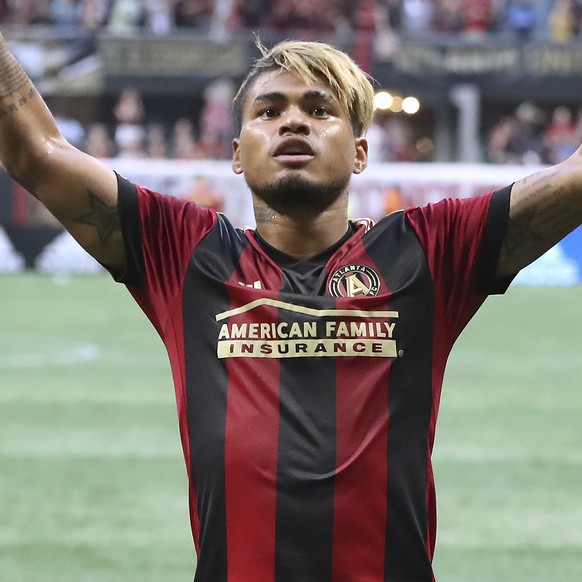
{"x": 537, "y": 59}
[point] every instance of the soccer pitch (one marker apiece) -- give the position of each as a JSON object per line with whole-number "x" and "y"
{"x": 92, "y": 479}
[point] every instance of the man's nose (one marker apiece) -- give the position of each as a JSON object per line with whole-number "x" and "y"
{"x": 294, "y": 120}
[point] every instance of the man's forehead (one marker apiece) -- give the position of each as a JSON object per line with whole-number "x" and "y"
{"x": 287, "y": 83}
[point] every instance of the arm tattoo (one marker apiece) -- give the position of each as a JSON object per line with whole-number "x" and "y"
{"x": 12, "y": 79}
{"x": 538, "y": 221}
{"x": 103, "y": 217}
{"x": 12, "y": 75}
{"x": 525, "y": 228}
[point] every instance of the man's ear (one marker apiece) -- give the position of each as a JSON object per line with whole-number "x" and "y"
{"x": 361, "y": 159}
{"x": 236, "y": 165}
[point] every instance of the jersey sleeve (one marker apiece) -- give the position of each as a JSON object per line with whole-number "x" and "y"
{"x": 159, "y": 233}
{"x": 462, "y": 240}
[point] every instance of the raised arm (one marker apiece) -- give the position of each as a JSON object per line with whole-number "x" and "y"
{"x": 79, "y": 190}
{"x": 544, "y": 208}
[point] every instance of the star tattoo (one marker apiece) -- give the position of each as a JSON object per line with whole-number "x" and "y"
{"x": 103, "y": 217}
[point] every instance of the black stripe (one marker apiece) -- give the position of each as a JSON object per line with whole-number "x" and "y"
{"x": 207, "y": 383}
{"x": 497, "y": 217}
{"x": 402, "y": 265}
{"x": 130, "y": 227}
{"x": 305, "y": 482}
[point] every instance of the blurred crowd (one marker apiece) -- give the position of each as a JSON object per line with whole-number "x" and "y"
{"x": 532, "y": 136}
{"x": 131, "y": 133}
{"x": 556, "y": 19}
{"x": 528, "y": 135}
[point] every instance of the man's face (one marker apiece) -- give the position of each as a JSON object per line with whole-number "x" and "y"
{"x": 296, "y": 147}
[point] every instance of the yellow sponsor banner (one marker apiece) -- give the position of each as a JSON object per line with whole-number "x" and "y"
{"x": 307, "y": 348}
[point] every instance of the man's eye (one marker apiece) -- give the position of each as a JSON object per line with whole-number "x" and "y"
{"x": 269, "y": 112}
{"x": 320, "y": 112}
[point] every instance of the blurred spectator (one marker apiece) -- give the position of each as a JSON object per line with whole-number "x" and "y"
{"x": 159, "y": 16}
{"x": 417, "y": 15}
{"x": 393, "y": 11}
{"x": 385, "y": 38}
{"x": 129, "y": 108}
{"x": 223, "y": 18}
{"x": 156, "y": 143}
{"x": 95, "y": 13}
{"x": 125, "y": 15}
{"x": 129, "y": 113}
{"x": 194, "y": 13}
{"x": 560, "y": 136}
{"x": 561, "y": 21}
{"x": 391, "y": 139}
{"x": 183, "y": 142}
{"x": 216, "y": 115}
{"x": 576, "y": 14}
{"x": 477, "y": 15}
{"x": 448, "y": 16}
{"x": 129, "y": 140}
{"x": 4, "y": 10}
{"x": 211, "y": 146}
{"x": 521, "y": 17}
{"x": 31, "y": 11}
{"x": 98, "y": 143}
{"x": 252, "y": 13}
{"x": 518, "y": 139}
{"x": 66, "y": 15}
{"x": 295, "y": 15}
{"x": 500, "y": 136}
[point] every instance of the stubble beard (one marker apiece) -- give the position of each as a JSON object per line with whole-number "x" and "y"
{"x": 292, "y": 193}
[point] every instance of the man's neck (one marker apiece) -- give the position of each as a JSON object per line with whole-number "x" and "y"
{"x": 301, "y": 234}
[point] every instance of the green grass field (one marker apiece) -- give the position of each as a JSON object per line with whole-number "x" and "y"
{"x": 92, "y": 480}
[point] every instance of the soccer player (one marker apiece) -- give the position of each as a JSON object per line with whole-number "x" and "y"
{"x": 308, "y": 353}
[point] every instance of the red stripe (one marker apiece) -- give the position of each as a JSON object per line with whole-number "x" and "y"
{"x": 251, "y": 446}
{"x": 252, "y": 427}
{"x": 362, "y": 473}
{"x": 174, "y": 340}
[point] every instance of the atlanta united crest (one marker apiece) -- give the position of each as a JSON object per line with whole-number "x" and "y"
{"x": 353, "y": 281}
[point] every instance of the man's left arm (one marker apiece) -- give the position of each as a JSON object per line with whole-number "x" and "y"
{"x": 543, "y": 209}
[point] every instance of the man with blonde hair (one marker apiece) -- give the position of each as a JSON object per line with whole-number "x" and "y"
{"x": 308, "y": 353}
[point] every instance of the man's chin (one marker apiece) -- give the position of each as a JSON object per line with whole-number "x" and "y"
{"x": 295, "y": 192}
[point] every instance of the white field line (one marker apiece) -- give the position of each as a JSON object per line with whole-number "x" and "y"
{"x": 48, "y": 354}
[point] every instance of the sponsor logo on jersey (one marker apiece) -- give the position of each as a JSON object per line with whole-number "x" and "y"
{"x": 354, "y": 280}
{"x": 296, "y": 331}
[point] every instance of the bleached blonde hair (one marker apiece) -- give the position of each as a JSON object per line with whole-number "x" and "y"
{"x": 311, "y": 61}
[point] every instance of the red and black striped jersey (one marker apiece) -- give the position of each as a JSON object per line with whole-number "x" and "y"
{"x": 308, "y": 391}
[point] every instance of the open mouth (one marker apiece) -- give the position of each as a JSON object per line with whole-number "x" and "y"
{"x": 294, "y": 151}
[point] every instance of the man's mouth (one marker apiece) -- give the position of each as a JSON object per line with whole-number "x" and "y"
{"x": 294, "y": 151}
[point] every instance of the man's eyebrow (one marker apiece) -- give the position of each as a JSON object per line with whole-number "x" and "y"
{"x": 270, "y": 96}
{"x": 319, "y": 94}
{"x": 310, "y": 95}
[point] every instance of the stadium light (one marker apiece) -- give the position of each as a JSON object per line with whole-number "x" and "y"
{"x": 410, "y": 105}
{"x": 396, "y": 106}
{"x": 383, "y": 100}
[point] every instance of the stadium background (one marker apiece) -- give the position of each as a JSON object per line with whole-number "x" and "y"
{"x": 92, "y": 485}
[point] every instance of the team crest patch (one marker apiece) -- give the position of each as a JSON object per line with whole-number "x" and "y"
{"x": 353, "y": 281}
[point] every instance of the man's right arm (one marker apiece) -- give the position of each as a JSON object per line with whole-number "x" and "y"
{"x": 78, "y": 189}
